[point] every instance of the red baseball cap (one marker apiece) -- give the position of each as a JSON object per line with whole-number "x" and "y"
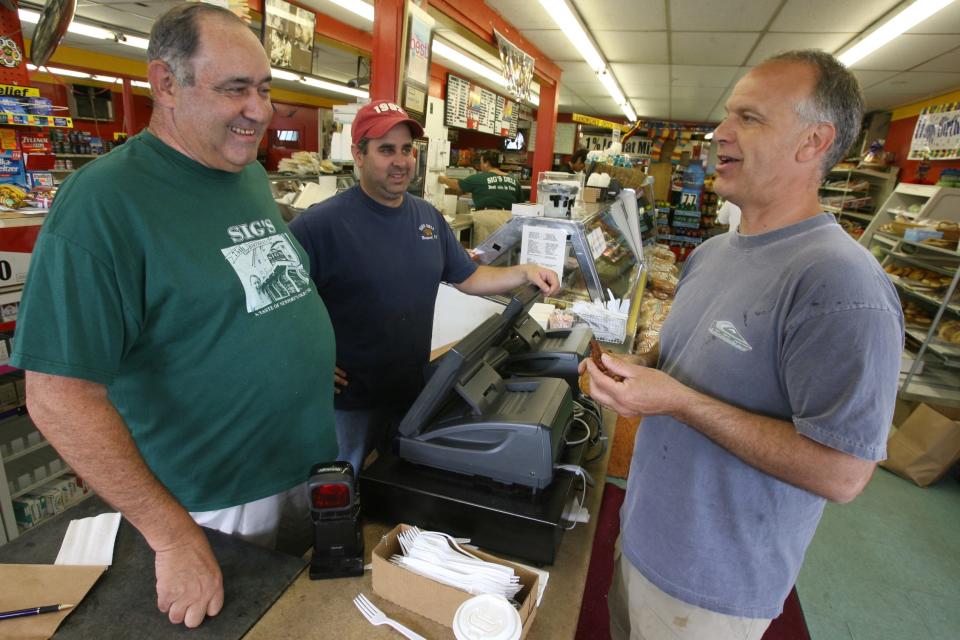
{"x": 374, "y": 120}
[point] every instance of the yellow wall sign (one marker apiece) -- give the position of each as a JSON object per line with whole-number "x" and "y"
{"x": 18, "y": 91}
{"x": 597, "y": 122}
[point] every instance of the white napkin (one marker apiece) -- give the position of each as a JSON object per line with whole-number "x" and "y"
{"x": 90, "y": 540}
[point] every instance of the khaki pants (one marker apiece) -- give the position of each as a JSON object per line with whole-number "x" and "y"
{"x": 486, "y": 221}
{"x": 641, "y": 611}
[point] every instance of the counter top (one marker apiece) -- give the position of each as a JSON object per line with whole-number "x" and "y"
{"x": 321, "y": 609}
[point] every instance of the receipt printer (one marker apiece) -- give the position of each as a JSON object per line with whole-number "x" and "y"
{"x": 335, "y": 510}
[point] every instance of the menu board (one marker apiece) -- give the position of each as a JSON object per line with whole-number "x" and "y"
{"x": 469, "y": 106}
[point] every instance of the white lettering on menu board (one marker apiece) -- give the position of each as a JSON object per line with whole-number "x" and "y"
{"x": 545, "y": 246}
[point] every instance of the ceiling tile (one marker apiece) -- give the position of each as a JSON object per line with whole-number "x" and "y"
{"x": 701, "y": 48}
{"x": 611, "y": 15}
{"x": 908, "y": 51}
{"x": 869, "y": 78}
{"x": 821, "y": 16}
{"x": 947, "y": 21}
{"x": 876, "y": 100}
{"x": 925, "y": 82}
{"x": 729, "y": 15}
{"x": 947, "y": 62}
{"x": 574, "y": 71}
{"x": 647, "y": 91}
{"x": 523, "y": 15}
{"x": 774, "y": 43}
{"x": 710, "y": 76}
{"x": 704, "y": 94}
{"x": 648, "y": 47}
{"x": 641, "y": 74}
{"x": 553, "y": 44}
{"x": 651, "y": 108}
{"x": 717, "y": 115}
{"x": 585, "y": 87}
{"x": 690, "y": 113}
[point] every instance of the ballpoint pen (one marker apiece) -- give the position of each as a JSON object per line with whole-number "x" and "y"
{"x": 32, "y": 611}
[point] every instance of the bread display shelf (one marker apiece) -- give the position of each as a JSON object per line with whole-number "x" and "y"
{"x": 949, "y": 352}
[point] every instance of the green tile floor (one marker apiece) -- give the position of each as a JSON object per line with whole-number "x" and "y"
{"x": 887, "y": 565}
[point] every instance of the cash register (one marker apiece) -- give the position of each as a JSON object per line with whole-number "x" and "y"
{"x": 477, "y": 452}
{"x": 535, "y": 351}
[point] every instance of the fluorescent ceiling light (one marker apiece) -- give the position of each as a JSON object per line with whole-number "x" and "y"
{"x": 108, "y": 79}
{"x": 133, "y": 41}
{"x": 61, "y": 72}
{"x": 358, "y": 7}
{"x": 282, "y": 74}
{"x": 568, "y": 22}
{"x": 140, "y": 83}
{"x": 338, "y": 88}
{"x": 906, "y": 19}
{"x": 560, "y": 11}
{"x": 445, "y": 51}
{"x": 88, "y": 30}
{"x": 610, "y": 84}
{"x": 28, "y": 16}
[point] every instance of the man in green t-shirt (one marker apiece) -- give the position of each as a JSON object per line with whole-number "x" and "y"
{"x": 491, "y": 188}
{"x": 177, "y": 354}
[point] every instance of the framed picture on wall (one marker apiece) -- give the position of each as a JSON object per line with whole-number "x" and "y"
{"x": 288, "y": 33}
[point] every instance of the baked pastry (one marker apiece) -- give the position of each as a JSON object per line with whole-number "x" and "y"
{"x": 595, "y": 352}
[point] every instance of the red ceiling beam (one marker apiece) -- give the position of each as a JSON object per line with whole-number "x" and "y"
{"x": 481, "y": 20}
{"x": 333, "y": 29}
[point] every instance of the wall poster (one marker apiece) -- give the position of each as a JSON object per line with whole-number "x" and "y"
{"x": 416, "y": 75}
{"x": 288, "y": 35}
{"x": 937, "y": 134}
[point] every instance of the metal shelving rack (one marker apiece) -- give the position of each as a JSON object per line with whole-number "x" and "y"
{"x": 880, "y": 184}
{"x": 934, "y": 373}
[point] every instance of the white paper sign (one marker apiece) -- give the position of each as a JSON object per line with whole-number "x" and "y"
{"x": 544, "y": 246}
{"x": 596, "y": 241}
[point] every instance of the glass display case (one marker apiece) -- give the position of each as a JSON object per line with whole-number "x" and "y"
{"x": 599, "y": 261}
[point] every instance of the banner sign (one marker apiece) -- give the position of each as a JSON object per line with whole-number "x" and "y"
{"x": 597, "y": 122}
{"x": 517, "y": 68}
{"x": 937, "y": 134}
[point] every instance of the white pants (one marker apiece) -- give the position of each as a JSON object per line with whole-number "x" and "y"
{"x": 258, "y": 522}
{"x": 639, "y": 610}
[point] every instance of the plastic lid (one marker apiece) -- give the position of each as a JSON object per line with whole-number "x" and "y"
{"x": 487, "y": 617}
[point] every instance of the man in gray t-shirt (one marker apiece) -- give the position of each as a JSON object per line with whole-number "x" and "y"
{"x": 775, "y": 387}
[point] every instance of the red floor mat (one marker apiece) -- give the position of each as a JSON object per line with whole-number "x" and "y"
{"x": 594, "y": 623}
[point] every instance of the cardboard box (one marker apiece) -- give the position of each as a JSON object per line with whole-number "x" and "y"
{"x": 925, "y": 445}
{"x": 594, "y": 194}
{"x": 432, "y": 599}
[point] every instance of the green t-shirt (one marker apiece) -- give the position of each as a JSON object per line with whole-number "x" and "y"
{"x": 492, "y": 191}
{"x": 180, "y": 289}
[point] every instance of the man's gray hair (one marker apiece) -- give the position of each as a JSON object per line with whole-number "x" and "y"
{"x": 836, "y": 98}
{"x": 175, "y": 37}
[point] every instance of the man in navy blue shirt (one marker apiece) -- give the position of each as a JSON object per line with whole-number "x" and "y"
{"x": 378, "y": 256}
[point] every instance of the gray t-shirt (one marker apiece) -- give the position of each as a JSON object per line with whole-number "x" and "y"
{"x": 800, "y": 324}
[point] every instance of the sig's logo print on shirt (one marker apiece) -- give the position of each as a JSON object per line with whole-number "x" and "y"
{"x": 726, "y": 331}
{"x": 267, "y": 264}
{"x": 427, "y": 232}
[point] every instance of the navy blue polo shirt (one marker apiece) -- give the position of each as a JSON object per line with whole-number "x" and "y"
{"x": 378, "y": 270}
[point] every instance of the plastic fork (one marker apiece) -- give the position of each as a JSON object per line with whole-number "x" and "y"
{"x": 377, "y": 617}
